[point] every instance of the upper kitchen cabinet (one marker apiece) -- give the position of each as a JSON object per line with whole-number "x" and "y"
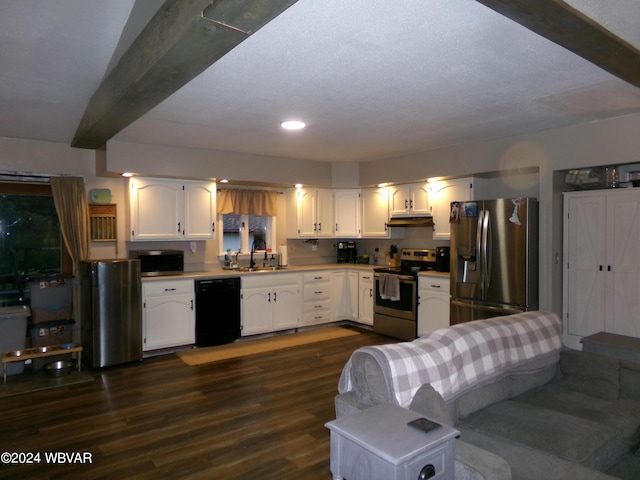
{"x": 313, "y": 210}
{"x": 375, "y": 212}
{"x": 347, "y": 207}
{"x": 409, "y": 200}
{"x": 441, "y": 194}
{"x": 199, "y": 210}
{"x": 164, "y": 209}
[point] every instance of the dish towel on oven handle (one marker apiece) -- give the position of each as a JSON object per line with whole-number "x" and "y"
{"x": 389, "y": 287}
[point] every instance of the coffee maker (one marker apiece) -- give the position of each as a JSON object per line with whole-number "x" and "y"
{"x": 346, "y": 252}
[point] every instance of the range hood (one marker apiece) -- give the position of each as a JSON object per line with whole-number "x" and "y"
{"x": 410, "y": 222}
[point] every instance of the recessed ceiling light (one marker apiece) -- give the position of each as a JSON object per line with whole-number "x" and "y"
{"x": 224, "y": 180}
{"x": 298, "y": 185}
{"x": 127, "y": 174}
{"x": 293, "y": 125}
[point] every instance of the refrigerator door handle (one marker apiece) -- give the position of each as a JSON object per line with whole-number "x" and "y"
{"x": 479, "y": 259}
{"x": 488, "y": 308}
{"x": 486, "y": 254}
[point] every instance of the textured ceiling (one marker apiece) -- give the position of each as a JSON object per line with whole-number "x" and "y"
{"x": 372, "y": 78}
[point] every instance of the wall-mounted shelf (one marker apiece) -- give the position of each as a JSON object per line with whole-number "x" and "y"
{"x": 103, "y": 221}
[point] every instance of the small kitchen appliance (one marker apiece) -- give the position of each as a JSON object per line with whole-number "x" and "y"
{"x": 346, "y": 252}
{"x": 443, "y": 256}
{"x": 159, "y": 262}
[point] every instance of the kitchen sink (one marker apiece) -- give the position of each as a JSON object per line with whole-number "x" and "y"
{"x": 259, "y": 269}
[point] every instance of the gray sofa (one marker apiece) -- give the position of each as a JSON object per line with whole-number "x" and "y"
{"x": 548, "y": 412}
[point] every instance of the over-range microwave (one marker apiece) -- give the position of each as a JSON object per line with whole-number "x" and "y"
{"x": 159, "y": 262}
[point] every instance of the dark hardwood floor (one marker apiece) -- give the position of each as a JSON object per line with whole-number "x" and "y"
{"x": 260, "y": 416}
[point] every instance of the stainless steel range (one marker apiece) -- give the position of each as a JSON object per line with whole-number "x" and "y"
{"x": 395, "y": 312}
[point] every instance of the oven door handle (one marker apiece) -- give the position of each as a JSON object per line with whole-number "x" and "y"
{"x": 402, "y": 278}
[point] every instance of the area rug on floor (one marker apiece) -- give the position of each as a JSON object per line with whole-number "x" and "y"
{"x": 201, "y": 355}
{"x": 29, "y": 381}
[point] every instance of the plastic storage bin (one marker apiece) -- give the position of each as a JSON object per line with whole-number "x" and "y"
{"x": 13, "y": 328}
{"x": 51, "y": 298}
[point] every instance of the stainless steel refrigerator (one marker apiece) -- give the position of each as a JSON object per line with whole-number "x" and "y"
{"x": 110, "y": 311}
{"x": 494, "y": 258}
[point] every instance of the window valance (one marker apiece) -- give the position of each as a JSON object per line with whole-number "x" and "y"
{"x": 248, "y": 202}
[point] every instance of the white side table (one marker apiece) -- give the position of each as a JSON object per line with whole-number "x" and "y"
{"x": 377, "y": 444}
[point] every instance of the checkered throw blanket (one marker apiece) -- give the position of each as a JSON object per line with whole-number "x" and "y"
{"x": 455, "y": 358}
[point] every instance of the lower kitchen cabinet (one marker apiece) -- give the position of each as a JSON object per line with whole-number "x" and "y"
{"x": 433, "y": 306}
{"x": 365, "y": 298}
{"x": 270, "y": 302}
{"x": 344, "y": 296}
{"x": 168, "y": 314}
{"x": 316, "y": 301}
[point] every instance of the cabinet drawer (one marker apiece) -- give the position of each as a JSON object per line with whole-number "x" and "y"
{"x": 320, "y": 316}
{"x": 261, "y": 279}
{"x": 434, "y": 284}
{"x": 317, "y": 292}
{"x": 320, "y": 304}
{"x": 316, "y": 277}
{"x": 167, "y": 287}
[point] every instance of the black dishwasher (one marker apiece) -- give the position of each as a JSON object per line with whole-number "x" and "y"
{"x": 217, "y": 311}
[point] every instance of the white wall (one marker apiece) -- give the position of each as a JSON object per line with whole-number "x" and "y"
{"x": 163, "y": 161}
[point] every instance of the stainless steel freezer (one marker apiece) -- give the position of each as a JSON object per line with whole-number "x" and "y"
{"x": 111, "y": 311}
{"x": 494, "y": 258}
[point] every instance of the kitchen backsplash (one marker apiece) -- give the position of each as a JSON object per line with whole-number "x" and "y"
{"x": 323, "y": 251}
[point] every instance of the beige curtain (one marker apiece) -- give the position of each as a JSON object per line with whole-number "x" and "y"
{"x": 248, "y": 202}
{"x": 73, "y": 212}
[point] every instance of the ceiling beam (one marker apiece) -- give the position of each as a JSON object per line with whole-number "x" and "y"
{"x": 562, "y": 24}
{"x": 181, "y": 41}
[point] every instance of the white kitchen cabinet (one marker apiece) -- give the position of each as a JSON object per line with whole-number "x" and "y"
{"x": 433, "y": 305}
{"x": 199, "y": 210}
{"x": 601, "y": 287}
{"x": 155, "y": 209}
{"x": 168, "y": 314}
{"x": 409, "y": 200}
{"x": 365, "y": 298}
{"x": 375, "y": 212}
{"x": 270, "y": 302}
{"x": 441, "y": 194}
{"x": 344, "y": 295}
{"x": 316, "y": 303}
{"x": 347, "y": 207}
{"x": 161, "y": 209}
{"x": 314, "y": 213}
